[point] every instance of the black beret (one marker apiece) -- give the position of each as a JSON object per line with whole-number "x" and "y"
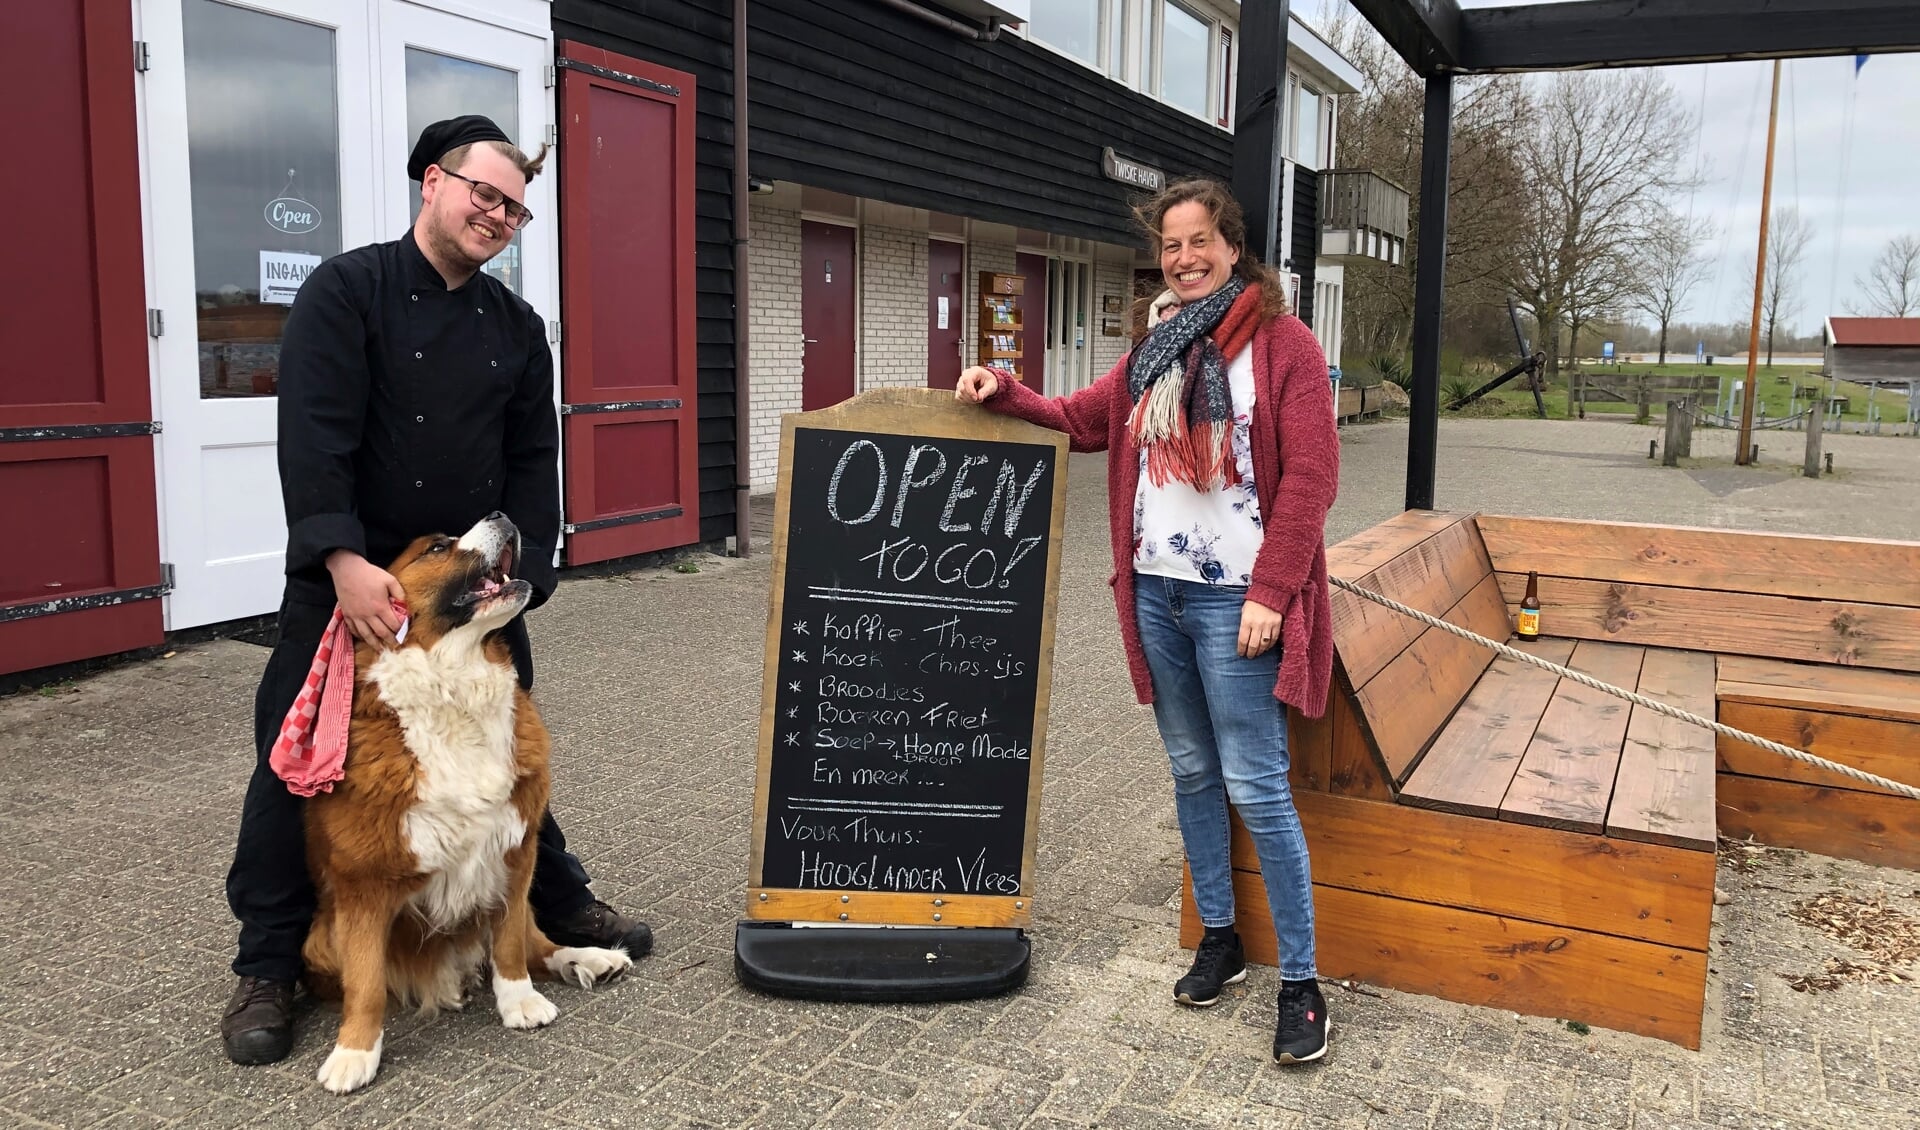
{"x": 442, "y": 138}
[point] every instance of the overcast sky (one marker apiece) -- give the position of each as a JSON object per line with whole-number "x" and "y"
{"x": 1859, "y": 185}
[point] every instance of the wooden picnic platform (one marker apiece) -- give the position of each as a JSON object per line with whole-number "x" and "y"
{"x": 1488, "y": 832}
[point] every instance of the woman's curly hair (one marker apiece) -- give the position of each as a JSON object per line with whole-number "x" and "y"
{"x": 1231, "y": 220}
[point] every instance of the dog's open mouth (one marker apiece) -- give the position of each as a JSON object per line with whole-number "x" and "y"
{"x": 494, "y": 582}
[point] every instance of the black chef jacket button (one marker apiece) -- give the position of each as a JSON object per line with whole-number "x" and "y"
{"x": 417, "y": 356}
{"x": 419, "y": 419}
{"x": 419, "y": 482}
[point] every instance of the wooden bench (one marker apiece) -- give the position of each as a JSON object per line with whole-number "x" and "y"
{"x": 1816, "y": 644}
{"x": 1485, "y": 831}
{"x": 1867, "y": 719}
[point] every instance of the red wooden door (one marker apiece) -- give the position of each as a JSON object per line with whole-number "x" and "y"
{"x": 826, "y": 314}
{"x": 81, "y": 573}
{"x": 1033, "y": 304}
{"x": 946, "y": 291}
{"x": 629, "y": 380}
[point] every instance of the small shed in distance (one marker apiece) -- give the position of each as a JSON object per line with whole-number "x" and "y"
{"x": 1885, "y": 351}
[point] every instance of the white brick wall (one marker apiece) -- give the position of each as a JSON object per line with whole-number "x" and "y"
{"x": 775, "y": 350}
{"x": 893, "y": 308}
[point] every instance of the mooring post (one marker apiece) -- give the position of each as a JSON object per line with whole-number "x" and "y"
{"x": 1815, "y": 411}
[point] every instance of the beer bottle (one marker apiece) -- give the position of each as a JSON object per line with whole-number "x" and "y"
{"x": 1529, "y": 627}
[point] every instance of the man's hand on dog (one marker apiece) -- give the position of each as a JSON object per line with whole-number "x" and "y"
{"x": 366, "y": 593}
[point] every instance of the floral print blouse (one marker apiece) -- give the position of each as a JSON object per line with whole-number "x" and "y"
{"x": 1211, "y": 537}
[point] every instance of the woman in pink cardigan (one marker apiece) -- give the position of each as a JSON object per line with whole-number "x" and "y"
{"x": 1224, "y": 463}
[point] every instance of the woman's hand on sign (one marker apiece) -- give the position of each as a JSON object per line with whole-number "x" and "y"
{"x": 1259, "y": 629}
{"x": 976, "y": 384}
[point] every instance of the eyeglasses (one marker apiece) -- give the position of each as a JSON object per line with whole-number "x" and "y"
{"x": 487, "y": 198}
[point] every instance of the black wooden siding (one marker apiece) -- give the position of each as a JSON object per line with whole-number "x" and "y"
{"x": 859, "y": 98}
{"x": 854, "y": 96}
{"x": 696, "y": 38}
{"x": 1306, "y": 234}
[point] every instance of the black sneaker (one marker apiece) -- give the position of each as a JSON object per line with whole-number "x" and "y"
{"x": 1218, "y": 962}
{"x": 1301, "y": 1035}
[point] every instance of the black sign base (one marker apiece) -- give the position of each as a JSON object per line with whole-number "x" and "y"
{"x": 874, "y": 965}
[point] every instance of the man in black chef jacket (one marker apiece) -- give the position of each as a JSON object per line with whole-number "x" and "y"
{"x": 416, "y": 395}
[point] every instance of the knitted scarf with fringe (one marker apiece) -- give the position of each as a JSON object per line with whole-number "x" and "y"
{"x": 1182, "y": 406}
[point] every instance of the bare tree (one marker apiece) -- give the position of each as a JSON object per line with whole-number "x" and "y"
{"x": 1892, "y": 286}
{"x": 1787, "y": 239}
{"x": 1380, "y": 129}
{"x": 1600, "y": 154}
{"x": 1672, "y": 267}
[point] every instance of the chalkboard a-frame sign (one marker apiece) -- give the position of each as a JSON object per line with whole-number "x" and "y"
{"x": 909, "y": 655}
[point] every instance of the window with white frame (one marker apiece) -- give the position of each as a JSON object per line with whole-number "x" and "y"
{"x": 1179, "y": 52}
{"x": 1073, "y": 27}
{"x": 1306, "y": 127}
{"x": 1326, "y": 319}
{"x": 1310, "y": 126}
{"x": 1186, "y": 57}
{"x": 1224, "y": 105}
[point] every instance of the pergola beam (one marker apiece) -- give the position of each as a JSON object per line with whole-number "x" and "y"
{"x": 1633, "y": 33}
{"x": 1259, "y": 128}
{"x": 1426, "y": 33}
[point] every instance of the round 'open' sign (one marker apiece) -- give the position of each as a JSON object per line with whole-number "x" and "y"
{"x": 292, "y": 215}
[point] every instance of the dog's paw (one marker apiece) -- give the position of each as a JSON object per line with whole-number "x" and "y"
{"x": 521, "y": 1006}
{"x": 588, "y": 965}
{"x": 349, "y": 1069}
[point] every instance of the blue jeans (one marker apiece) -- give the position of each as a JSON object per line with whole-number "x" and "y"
{"x": 1226, "y": 737}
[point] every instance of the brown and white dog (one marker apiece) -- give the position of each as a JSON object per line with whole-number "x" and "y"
{"x": 423, "y": 852}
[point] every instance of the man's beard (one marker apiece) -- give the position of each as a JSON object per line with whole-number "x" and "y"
{"x": 449, "y": 248}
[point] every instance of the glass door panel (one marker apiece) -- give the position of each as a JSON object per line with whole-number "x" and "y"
{"x": 263, "y": 149}
{"x": 445, "y": 86}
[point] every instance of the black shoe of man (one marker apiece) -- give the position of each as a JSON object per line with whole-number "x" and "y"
{"x": 258, "y": 1024}
{"x": 597, "y": 924}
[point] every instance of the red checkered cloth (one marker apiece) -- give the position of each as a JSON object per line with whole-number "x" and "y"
{"x": 311, "y": 752}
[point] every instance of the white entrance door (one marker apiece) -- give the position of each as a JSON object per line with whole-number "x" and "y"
{"x": 443, "y": 65}
{"x": 1069, "y": 300}
{"x": 257, "y": 120}
{"x": 436, "y": 64}
{"x": 255, "y": 167}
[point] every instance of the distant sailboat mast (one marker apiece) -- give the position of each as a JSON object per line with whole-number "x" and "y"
{"x": 1743, "y": 450}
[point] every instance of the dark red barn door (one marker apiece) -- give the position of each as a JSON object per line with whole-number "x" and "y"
{"x": 629, "y": 378}
{"x": 80, "y": 575}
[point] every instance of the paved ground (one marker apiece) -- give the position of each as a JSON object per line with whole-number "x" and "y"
{"x": 118, "y": 798}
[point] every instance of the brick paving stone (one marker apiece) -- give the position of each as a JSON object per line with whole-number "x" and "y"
{"x": 1405, "y": 1118}
{"x": 1453, "y": 1114}
{"x": 1601, "y": 1103}
{"x": 1154, "y": 1118}
{"x": 132, "y": 1120}
{"x": 859, "y": 1112}
{"x": 1011, "y": 1105}
{"x": 114, "y": 965}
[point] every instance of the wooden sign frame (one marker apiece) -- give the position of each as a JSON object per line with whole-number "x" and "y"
{"x": 935, "y": 414}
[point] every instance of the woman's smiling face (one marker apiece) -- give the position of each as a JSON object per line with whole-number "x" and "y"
{"x": 1194, "y": 258}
